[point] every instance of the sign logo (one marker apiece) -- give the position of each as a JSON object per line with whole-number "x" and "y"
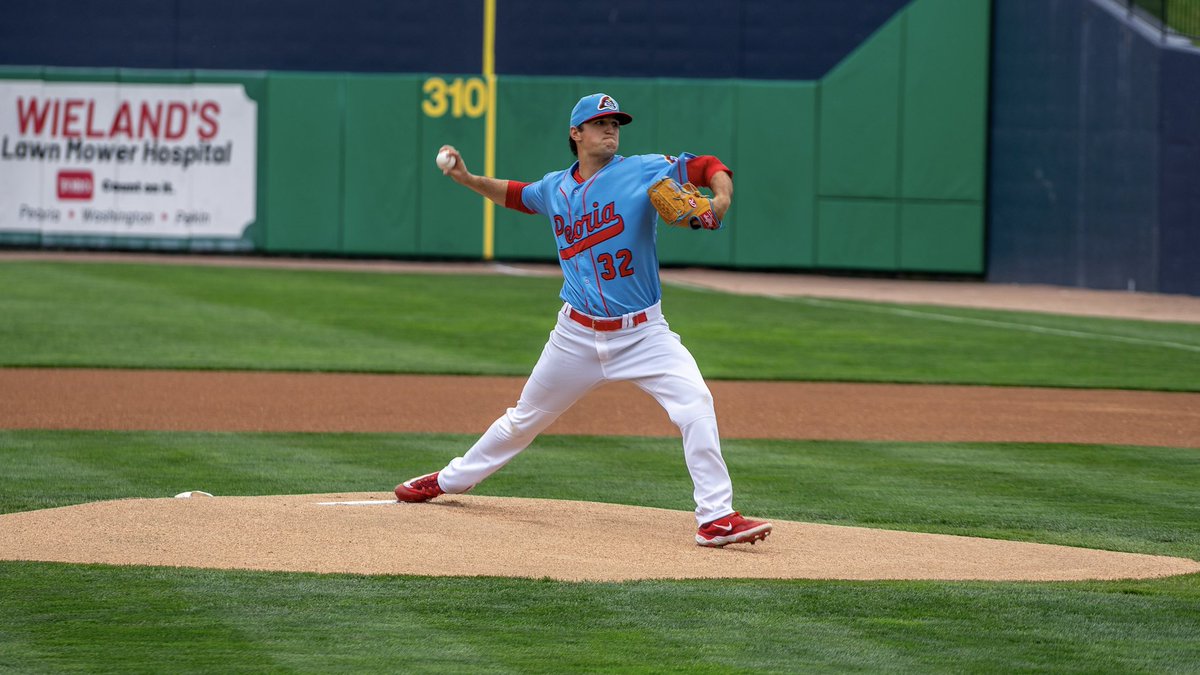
{"x": 76, "y": 185}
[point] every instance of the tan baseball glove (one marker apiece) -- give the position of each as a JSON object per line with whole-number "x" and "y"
{"x": 682, "y": 205}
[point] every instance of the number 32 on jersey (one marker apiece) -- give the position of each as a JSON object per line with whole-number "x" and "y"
{"x": 624, "y": 259}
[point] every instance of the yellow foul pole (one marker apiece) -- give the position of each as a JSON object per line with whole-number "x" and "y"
{"x": 489, "y": 75}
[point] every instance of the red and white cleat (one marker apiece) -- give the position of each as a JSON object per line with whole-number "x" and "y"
{"x": 419, "y": 489}
{"x": 732, "y": 529}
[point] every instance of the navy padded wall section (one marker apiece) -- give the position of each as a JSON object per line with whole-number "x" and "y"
{"x": 1119, "y": 155}
{"x": 1074, "y": 168}
{"x": 752, "y": 39}
{"x": 308, "y": 35}
{"x": 1033, "y": 164}
{"x": 1179, "y": 210}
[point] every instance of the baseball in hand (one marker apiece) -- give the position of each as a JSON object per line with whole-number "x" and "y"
{"x": 445, "y": 161}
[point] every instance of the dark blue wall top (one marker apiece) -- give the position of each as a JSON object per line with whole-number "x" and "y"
{"x": 311, "y": 35}
{"x": 751, "y": 39}
{"x": 757, "y": 39}
{"x": 136, "y": 33}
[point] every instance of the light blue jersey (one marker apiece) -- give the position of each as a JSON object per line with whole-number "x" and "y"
{"x": 606, "y": 231}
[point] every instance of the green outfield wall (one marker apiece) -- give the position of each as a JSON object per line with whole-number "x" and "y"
{"x": 877, "y": 166}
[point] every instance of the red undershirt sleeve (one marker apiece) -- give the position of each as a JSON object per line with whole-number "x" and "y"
{"x": 700, "y": 170}
{"x": 512, "y": 198}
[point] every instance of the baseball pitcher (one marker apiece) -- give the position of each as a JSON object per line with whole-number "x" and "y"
{"x": 603, "y": 212}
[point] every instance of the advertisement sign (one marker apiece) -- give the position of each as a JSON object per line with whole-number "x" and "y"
{"x": 132, "y": 160}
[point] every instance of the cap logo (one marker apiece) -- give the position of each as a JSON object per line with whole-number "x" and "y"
{"x": 607, "y": 103}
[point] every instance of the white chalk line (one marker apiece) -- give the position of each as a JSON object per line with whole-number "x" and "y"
{"x": 950, "y": 318}
{"x": 369, "y": 502}
{"x": 509, "y": 270}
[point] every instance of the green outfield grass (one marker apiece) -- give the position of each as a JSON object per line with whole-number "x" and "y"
{"x": 67, "y": 618}
{"x": 151, "y": 316}
{"x": 105, "y": 619}
{"x": 76, "y": 618}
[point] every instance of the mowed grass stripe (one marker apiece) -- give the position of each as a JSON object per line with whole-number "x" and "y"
{"x": 153, "y": 316}
{"x": 1012, "y": 325}
{"x": 84, "y": 315}
{"x": 138, "y": 619}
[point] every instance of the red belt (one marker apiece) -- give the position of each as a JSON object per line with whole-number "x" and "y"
{"x": 605, "y": 324}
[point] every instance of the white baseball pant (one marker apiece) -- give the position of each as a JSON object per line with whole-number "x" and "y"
{"x": 577, "y": 359}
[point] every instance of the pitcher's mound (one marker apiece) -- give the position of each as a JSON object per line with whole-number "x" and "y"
{"x": 461, "y": 535}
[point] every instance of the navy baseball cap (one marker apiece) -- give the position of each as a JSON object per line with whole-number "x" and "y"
{"x": 598, "y": 105}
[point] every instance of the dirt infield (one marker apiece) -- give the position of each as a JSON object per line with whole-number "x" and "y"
{"x": 472, "y": 535}
{"x": 218, "y": 401}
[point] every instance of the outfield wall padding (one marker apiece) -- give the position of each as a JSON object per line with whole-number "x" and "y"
{"x": 381, "y": 194}
{"x": 1094, "y": 142}
{"x": 1179, "y": 173}
{"x": 304, "y": 155}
